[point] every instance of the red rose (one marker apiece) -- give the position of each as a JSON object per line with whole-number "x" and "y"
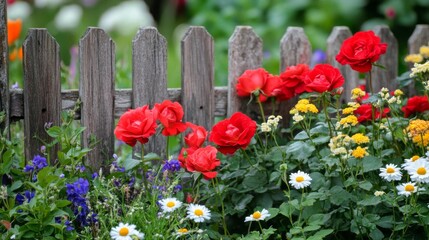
{"x": 257, "y": 81}
{"x": 203, "y": 160}
{"x": 361, "y": 50}
{"x": 183, "y": 155}
{"x": 136, "y": 125}
{"x": 364, "y": 113}
{"x": 292, "y": 82}
{"x": 197, "y": 137}
{"x": 322, "y": 78}
{"x": 416, "y": 104}
{"x": 170, "y": 115}
{"x": 233, "y": 133}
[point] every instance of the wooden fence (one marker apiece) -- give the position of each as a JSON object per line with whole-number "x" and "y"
{"x": 42, "y": 100}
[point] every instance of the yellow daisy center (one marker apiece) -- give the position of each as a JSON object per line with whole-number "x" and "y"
{"x": 124, "y": 232}
{"x": 409, "y": 188}
{"x": 256, "y": 215}
{"x": 299, "y": 178}
{"x": 198, "y": 212}
{"x": 390, "y": 170}
{"x": 183, "y": 230}
{"x": 421, "y": 171}
{"x": 414, "y": 158}
{"x": 171, "y": 204}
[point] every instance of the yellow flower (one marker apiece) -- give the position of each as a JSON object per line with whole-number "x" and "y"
{"x": 413, "y": 58}
{"x": 398, "y": 93}
{"x": 419, "y": 68}
{"x": 312, "y": 108}
{"x": 359, "y": 152}
{"x": 303, "y": 101}
{"x": 359, "y": 138}
{"x": 304, "y": 106}
{"x": 349, "y": 120}
{"x": 357, "y": 92}
{"x": 348, "y": 110}
{"x": 424, "y": 51}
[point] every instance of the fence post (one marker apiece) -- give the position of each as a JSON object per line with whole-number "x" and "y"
{"x": 245, "y": 52}
{"x": 294, "y": 49}
{"x": 419, "y": 37}
{"x": 4, "y": 79}
{"x": 198, "y": 77}
{"x": 335, "y": 40}
{"x": 97, "y": 89}
{"x": 42, "y": 90}
{"x": 386, "y": 77}
{"x": 150, "y": 78}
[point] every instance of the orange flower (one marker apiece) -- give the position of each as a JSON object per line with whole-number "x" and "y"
{"x": 15, "y": 54}
{"x": 14, "y": 28}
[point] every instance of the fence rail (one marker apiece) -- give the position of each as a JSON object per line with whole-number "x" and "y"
{"x": 42, "y": 100}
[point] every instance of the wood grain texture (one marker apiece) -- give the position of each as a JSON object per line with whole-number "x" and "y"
{"x": 294, "y": 49}
{"x": 386, "y": 77}
{"x": 245, "y": 52}
{"x": 419, "y": 37}
{"x": 42, "y": 90}
{"x": 150, "y": 79}
{"x": 198, "y": 77}
{"x": 97, "y": 77}
{"x": 334, "y": 43}
{"x": 4, "y": 61}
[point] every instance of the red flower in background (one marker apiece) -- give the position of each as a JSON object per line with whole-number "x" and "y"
{"x": 364, "y": 113}
{"x": 416, "y": 104}
{"x": 322, "y": 78}
{"x": 292, "y": 82}
{"x": 361, "y": 50}
{"x": 203, "y": 160}
{"x": 197, "y": 137}
{"x": 233, "y": 133}
{"x": 136, "y": 125}
{"x": 256, "y": 81}
{"x": 170, "y": 115}
{"x": 183, "y": 155}
{"x": 14, "y": 28}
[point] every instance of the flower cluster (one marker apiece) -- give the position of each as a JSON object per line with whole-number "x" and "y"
{"x": 76, "y": 194}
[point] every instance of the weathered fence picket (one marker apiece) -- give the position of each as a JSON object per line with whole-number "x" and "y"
{"x": 97, "y": 93}
{"x": 42, "y": 100}
{"x": 42, "y": 90}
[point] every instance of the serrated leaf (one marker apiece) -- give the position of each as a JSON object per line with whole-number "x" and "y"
{"x": 371, "y": 163}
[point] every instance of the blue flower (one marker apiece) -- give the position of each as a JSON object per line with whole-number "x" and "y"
{"x": 172, "y": 166}
{"x": 177, "y": 188}
{"x": 29, "y": 168}
{"x": 76, "y": 194}
{"x": 69, "y": 226}
{"x": 28, "y": 195}
{"x": 80, "y": 168}
{"x": 94, "y": 175}
{"x": 39, "y": 162}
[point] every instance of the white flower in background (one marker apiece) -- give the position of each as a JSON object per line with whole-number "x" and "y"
{"x": 125, "y": 232}
{"x": 198, "y": 213}
{"x": 170, "y": 204}
{"x": 300, "y": 180}
{"x": 68, "y": 18}
{"x": 126, "y": 17}
{"x": 48, "y": 3}
{"x": 407, "y": 188}
{"x": 257, "y": 216}
{"x": 19, "y": 10}
{"x": 412, "y": 161}
{"x": 379, "y": 193}
{"x": 391, "y": 173}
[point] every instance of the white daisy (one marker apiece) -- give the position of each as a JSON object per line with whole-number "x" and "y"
{"x": 170, "y": 204}
{"x": 407, "y": 188}
{"x": 300, "y": 180}
{"x": 409, "y": 162}
{"x": 419, "y": 171}
{"x": 125, "y": 232}
{"x": 258, "y": 215}
{"x": 198, "y": 213}
{"x": 182, "y": 231}
{"x": 390, "y": 173}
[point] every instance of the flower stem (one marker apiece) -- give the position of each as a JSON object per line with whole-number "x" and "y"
{"x": 216, "y": 186}
{"x": 261, "y": 109}
{"x": 371, "y": 90}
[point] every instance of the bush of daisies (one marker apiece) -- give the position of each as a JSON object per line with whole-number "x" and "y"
{"x": 333, "y": 170}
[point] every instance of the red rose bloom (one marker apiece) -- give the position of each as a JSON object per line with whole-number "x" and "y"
{"x": 361, "y": 50}
{"x": 416, "y": 104}
{"x": 233, "y": 133}
{"x": 322, "y": 78}
{"x": 183, "y": 155}
{"x": 257, "y": 81}
{"x": 292, "y": 82}
{"x": 170, "y": 115}
{"x": 136, "y": 125}
{"x": 364, "y": 113}
{"x": 203, "y": 160}
{"x": 197, "y": 137}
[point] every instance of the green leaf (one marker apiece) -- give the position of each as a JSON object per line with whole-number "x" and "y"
{"x": 321, "y": 140}
{"x": 385, "y": 222}
{"x": 7, "y": 162}
{"x": 295, "y": 230}
{"x": 151, "y": 157}
{"x": 45, "y": 176}
{"x": 311, "y": 228}
{"x": 273, "y": 213}
{"x": 130, "y": 163}
{"x": 366, "y": 185}
{"x": 255, "y": 180}
{"x": 376, "y": 234}
{"x": 318, "y": 219}
{"x": 338, "y": 195}
{"x": 287, "y": 209}
{"x": 243, "y": 201}
{"x": 15, "y": 185}
{"x": 274, "y": 176}
{"x": 54, "y": 131}
{"x": 62, "y": 203}
{"x": 371, "y": 163}
{"x": 301, "y": 136}
{"x": 300, "y": 150}
{"x": 371, "y": 201}
{"x": 321, "y": 234}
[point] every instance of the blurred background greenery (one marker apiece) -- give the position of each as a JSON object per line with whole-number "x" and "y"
{"x": 67, "y": 21}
